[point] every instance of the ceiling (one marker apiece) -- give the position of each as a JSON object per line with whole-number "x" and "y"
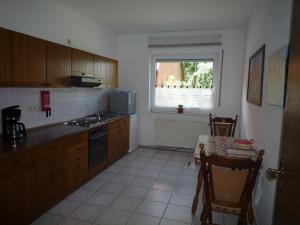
{"x": 139, "y": 16}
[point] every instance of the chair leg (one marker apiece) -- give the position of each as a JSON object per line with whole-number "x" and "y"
{"x": 198, "y": 189}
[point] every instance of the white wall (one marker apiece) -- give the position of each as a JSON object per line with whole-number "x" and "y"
{"x": 133, "y": 58}
{"x": 270, "y": 25}
{"x": 51, "y": 20}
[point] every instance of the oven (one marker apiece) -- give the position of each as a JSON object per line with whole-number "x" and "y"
{"x": 97, "y": 146}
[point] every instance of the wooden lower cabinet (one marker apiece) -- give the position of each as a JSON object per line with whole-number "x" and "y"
{"x": 33, "y": 181}
{"x": 124, "y": 136}
{"x": 118, "y": 139}
{"x": 113, "y": 141}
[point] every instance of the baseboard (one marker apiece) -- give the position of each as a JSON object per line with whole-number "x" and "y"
{"x": 167, "y": 148}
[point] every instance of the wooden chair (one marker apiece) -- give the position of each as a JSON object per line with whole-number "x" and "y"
{"x": 222, "y": 126}
{"x": 228, "y": 184}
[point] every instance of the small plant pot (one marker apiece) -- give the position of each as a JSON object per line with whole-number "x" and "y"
{"x": 180, "y": 110}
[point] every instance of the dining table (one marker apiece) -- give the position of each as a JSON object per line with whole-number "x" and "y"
{"x": 223, "y": 146}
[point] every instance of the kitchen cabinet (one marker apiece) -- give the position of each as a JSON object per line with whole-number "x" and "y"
{"x": 118, "y": 139}
{"x": 124, "y": 136}
{"x": 34, "y": 180}
{"x": 58, "y": 65}
{"x": 111, "y": 73}
{"x": 100, "y": 70}
{"x": 106, "y": 70}
{"x": 28, "y": 60}
{"x": 113, "y": 141}
{"x": 5, "y": 66}
{"x": 82, "y": 63}
{"x": 77, "y": 165}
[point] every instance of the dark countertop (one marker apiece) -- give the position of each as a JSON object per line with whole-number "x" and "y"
{"x": 43, "y": 135}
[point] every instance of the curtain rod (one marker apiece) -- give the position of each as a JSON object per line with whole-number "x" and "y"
{"x": 185, "y": 45}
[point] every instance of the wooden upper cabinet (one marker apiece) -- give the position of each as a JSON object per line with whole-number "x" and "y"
{"x": 112, "y": 73}
{"x": 58, "y": 65}
{"x": 28, "y": 60}
{"x": 100, "y": 70}
{"x": 5, "y": 72}
{"x": 82, "y": 63}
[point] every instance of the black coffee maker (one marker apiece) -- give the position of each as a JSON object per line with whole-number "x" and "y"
{"x": 11, "y": 128}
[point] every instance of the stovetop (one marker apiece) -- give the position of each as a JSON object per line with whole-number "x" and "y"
{"x": 94, "y": 119}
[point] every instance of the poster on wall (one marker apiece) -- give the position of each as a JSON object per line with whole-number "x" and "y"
{"x": 255, "y": 77}
{"x": 277, "y": 68}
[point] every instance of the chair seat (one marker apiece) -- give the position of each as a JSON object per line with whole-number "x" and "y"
{"x": 225, "y": 209}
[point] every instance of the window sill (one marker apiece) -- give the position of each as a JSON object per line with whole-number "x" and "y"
{"x": 184, "y": 113}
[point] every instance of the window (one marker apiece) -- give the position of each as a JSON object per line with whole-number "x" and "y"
{"x": 188, "y": 80}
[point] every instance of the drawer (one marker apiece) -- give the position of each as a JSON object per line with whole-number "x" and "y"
{"x": 114, "y": 125}
{"x": 81, "y": 149}
{"x": 13, "y": 163}
{"x": 77, "y": 139}
{"x": 124, "y": 122}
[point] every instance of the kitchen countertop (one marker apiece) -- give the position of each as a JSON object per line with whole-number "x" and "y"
{"x": 45, "y": 134}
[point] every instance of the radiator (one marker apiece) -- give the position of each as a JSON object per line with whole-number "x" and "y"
{"x": 174, "y": 133}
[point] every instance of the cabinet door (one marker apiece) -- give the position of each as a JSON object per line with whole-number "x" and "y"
{"x": 77, "y": 166}
{"x": 51, "y": 173}
{"x": 58, "y": 65}
{"x": 100, "y": 70}
{"x": 82, "y": 63}
{"x": 113, "y": 145}
{"x": 124, "y": 136}
{"x": 17, "y": 185}
{"x": 28, "y": 60}
{"x": 5, "y": 72}
{"x": 112, "y": 73}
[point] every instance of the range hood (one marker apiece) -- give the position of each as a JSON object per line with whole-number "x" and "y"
{"x": 83, "y": 81}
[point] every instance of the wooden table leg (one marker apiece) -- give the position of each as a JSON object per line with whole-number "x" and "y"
{"x": 198, "y": 189}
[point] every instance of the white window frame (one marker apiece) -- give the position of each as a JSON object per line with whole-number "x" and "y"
{"x": 198, "y": 53}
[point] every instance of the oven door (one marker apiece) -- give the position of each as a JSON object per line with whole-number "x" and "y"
{"x": 97, "y": 146}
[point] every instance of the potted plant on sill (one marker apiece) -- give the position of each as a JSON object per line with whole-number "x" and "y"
{"x": 180, "y": 109}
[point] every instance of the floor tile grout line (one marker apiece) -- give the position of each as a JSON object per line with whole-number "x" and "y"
{"x": 156, "y": 178}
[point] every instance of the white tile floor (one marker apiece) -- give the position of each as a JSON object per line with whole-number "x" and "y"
{"x": 146, "y": 187}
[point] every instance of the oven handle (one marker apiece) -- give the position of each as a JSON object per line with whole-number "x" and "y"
{"x": 98, "y": 136}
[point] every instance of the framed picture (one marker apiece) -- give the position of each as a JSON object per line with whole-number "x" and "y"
{"x": 255, "y": 77}
{"x": 277, "y": 70}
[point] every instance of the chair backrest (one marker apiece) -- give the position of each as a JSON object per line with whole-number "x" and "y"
{"x": 222, "y": 126}
{"x": 228, "y": 181}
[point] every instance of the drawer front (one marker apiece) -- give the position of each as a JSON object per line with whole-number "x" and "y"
{"x": 114, "y": 125}
{"x": 12, "y": 164}
{"x": 77, "y": 139}
{"x": 78, "y": 149}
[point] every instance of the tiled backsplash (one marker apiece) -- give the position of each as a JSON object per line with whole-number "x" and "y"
{"x": 66, "y": 103}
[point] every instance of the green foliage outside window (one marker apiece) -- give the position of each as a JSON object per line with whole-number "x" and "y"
{"x": 195, "y": 74}
{"x": 198, "y": 74}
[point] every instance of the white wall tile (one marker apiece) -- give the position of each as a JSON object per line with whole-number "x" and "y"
{"x": 66, "y": 103}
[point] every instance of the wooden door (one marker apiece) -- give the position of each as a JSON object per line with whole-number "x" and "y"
{"x": 288, "y": 204}
{"x": 58, "y": 65}
{"x": 112, "y": 73}
{"x": 82, "y": 63}
{"x": 5, "y": 71}
{"x": 28, "y": 59}
{"x": 100, "y": 70}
